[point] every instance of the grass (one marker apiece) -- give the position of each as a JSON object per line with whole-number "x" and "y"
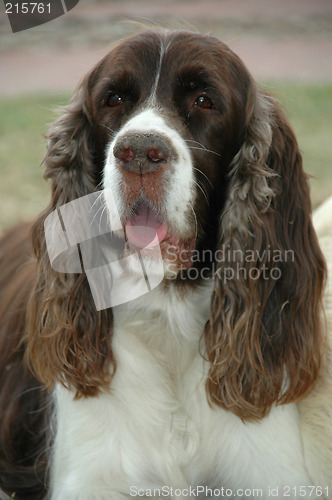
{"x": 23, "y": 122}
{"x": 309, "y": 109}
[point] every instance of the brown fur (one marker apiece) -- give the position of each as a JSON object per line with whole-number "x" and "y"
{"x": 24, "y": 401}
{"x": 259, "y": 330}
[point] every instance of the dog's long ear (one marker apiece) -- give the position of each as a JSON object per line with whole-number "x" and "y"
{"x": 265, "y": 334}
{"x": 67, "y": 337}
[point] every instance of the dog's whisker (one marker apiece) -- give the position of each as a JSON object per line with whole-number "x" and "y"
{"x": 100, "y": 185}
{"x": 204, "y": 175}
{"x": 202, "y": 190}
{"x": 97, "y": 200}
{"x": 205, "y": 150}
{"x": 195, "y": 218}
{"x": 104, "y": 208}
{"x": 113, "y": 132}
{"x": 195, "y": 142}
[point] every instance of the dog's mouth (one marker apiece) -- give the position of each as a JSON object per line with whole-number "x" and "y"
{"x": 145, "y": 229}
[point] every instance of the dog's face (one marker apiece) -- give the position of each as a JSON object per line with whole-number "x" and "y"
{"x": 169, "y": 112}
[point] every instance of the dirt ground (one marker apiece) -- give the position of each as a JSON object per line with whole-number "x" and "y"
{"x": 277, "y": 39}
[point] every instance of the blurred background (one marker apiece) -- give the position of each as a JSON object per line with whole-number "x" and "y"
{"x": 286, "y": 44}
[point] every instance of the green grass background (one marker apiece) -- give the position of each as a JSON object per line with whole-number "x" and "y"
{"x": 23, "y": 124}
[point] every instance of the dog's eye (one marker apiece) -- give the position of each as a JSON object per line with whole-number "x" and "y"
{"x": 203, "y": 101}
{"x": 113, "y": 100}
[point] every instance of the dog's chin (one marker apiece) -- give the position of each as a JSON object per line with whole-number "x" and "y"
{"x": 153, "y": 240}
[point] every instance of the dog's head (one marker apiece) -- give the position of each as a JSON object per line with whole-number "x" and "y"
{"x": 174, "y": 125}
{"x": 172, "y": 119}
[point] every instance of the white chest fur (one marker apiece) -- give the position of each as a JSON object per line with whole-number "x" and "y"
{"x": 156, "y": 430}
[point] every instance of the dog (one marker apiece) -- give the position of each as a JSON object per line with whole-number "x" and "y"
{"x": 163, "y": 334}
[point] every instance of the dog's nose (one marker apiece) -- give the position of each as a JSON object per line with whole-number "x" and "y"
{"x": 142, "y": 153}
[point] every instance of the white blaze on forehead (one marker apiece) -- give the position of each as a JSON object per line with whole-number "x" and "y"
{"x": 153, "y": 97}
{"x": 177, "y": 178}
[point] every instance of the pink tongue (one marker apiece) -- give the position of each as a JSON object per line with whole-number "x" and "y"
{"x": 144, "y": 229}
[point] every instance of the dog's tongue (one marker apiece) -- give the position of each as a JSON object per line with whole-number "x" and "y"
{"x": 145, "y": 229}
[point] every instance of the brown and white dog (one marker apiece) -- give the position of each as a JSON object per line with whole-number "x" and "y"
{"x": 214, "y": 383}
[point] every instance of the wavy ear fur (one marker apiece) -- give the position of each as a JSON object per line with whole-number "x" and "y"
{"x": 68, "y": 340}
{"x": 264, "y": 336}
